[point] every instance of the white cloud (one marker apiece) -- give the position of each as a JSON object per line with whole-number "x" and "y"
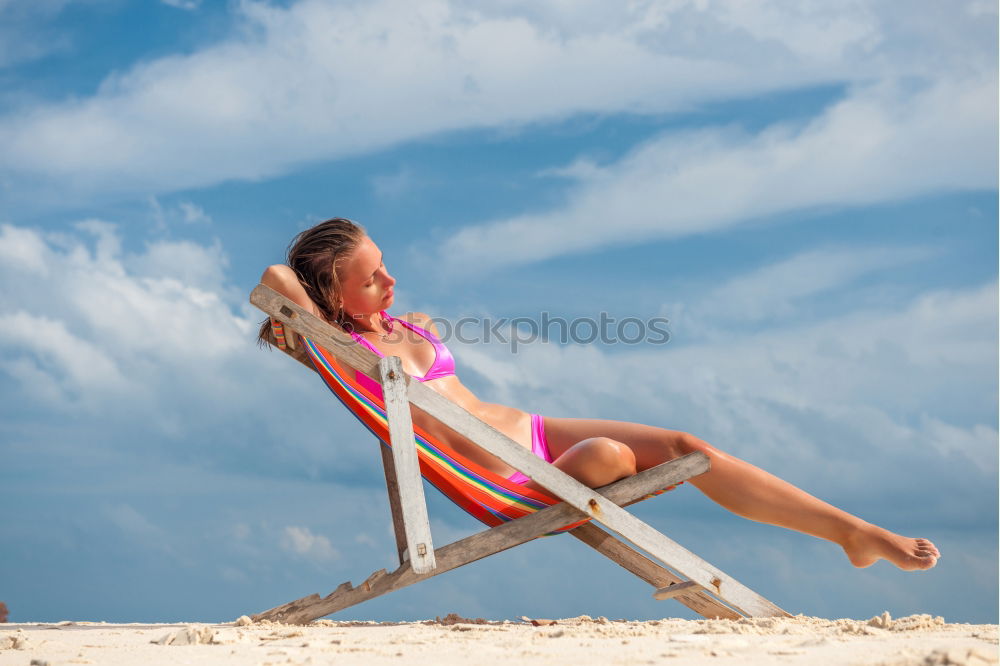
{"x": 394, "y": 184}
{"x": 139, "y": 528}
{"x": 94, "y": 319}
{"x": 133, "y": 522}
{"x": 774, "y": 291}
{"x": 980, "y": 8}
{"x": 154, "y": 344}
{"x": 978, "y": 443}
{"x": 188, "y": 5}
{"x": 233, "y": 574}
{"x": 184, "y": 212}
{"x": 184, "y": 261}
{"x": 193, "y": 213}
{"x": 76, "y": 364}
{"x": 23, "y": 249}
{"x": 880, "y": 144}
{"x": 320, "y": 80}
{"x": 365, "y": 539}
{"x": 23, "y": 32}
{"x": 818, "y": 30}
{"x": 301, "y": 541}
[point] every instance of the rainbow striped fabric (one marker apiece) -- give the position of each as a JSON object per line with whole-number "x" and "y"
{"x": 487, "y": 496}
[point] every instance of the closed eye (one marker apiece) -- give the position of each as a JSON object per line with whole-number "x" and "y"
{"x": 381, "y": 264}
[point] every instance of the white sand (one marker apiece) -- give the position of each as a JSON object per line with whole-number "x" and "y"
{"x": 918, "y": 639}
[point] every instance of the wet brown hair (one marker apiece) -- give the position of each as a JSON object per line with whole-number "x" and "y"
{"x": 314, "y": 255}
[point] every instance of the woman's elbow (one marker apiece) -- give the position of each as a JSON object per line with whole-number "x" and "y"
{"x": 277, "y": 275}
{"x": 283, "y": 280}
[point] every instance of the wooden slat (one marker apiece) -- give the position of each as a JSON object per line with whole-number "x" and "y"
{"x": 416, "y": 525}
{"x": 514, "y": 533}
{"x": 557, "y": 482}
{"x": 395, "y": 509}
{"x": 292, "y": 341}
{"x": 338, "y": 343}
{"x": 675, "y": 589}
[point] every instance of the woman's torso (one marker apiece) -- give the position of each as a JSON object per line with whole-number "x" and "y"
{"x": 426, "y": 359}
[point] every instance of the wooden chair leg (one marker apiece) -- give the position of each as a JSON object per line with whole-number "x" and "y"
{"x": 392, "y": 488}
{"x": 693, "y": 596}
{"x": 406, "y": 468}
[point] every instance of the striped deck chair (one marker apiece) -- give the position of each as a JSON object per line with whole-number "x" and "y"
{"x": 515, "y": 514}
{"x": 485, "y": 495}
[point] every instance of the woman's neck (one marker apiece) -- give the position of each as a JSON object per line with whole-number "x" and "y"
{"x": 369, "y": 323}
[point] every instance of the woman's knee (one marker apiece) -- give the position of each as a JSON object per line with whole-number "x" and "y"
{"x": 683, "y": 443}
{"x": 613, "y": 455}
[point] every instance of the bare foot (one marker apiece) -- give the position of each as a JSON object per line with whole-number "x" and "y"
{"x": 870, "y": 544}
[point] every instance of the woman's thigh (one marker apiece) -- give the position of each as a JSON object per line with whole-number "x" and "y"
{"x": 651, "y": 445}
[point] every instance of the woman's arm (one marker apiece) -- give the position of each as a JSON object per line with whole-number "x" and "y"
{"x": 283, "y": 280}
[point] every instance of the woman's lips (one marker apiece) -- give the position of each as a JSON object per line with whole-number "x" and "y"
{"x": 388, "y": 296}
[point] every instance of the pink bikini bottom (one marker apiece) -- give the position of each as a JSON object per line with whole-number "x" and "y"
{"x": 539, "y": 446}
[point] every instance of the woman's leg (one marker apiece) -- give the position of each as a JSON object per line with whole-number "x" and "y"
{"x": 594, "y": 462}
{"x": 733, "y": 483}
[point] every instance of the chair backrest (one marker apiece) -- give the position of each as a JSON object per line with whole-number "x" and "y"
{"x": 485, "y": 495}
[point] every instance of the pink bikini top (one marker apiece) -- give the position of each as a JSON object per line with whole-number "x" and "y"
{"x": 443, "y": 365}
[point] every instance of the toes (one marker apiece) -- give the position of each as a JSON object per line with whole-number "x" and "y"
{"x": 924, "y": 544}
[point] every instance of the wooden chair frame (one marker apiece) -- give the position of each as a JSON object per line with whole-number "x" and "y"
{"x": 672, "y": 570}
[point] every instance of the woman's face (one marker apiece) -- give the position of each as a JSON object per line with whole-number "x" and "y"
{"x": 365, "y": 282}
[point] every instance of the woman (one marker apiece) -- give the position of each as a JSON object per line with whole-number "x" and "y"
{"x": 337, "y": 272}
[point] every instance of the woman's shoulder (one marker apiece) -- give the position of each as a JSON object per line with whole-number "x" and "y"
{"x": 422, "y": 320}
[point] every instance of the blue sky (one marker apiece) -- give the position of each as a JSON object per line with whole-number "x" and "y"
{"x": 806, "y": 191}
